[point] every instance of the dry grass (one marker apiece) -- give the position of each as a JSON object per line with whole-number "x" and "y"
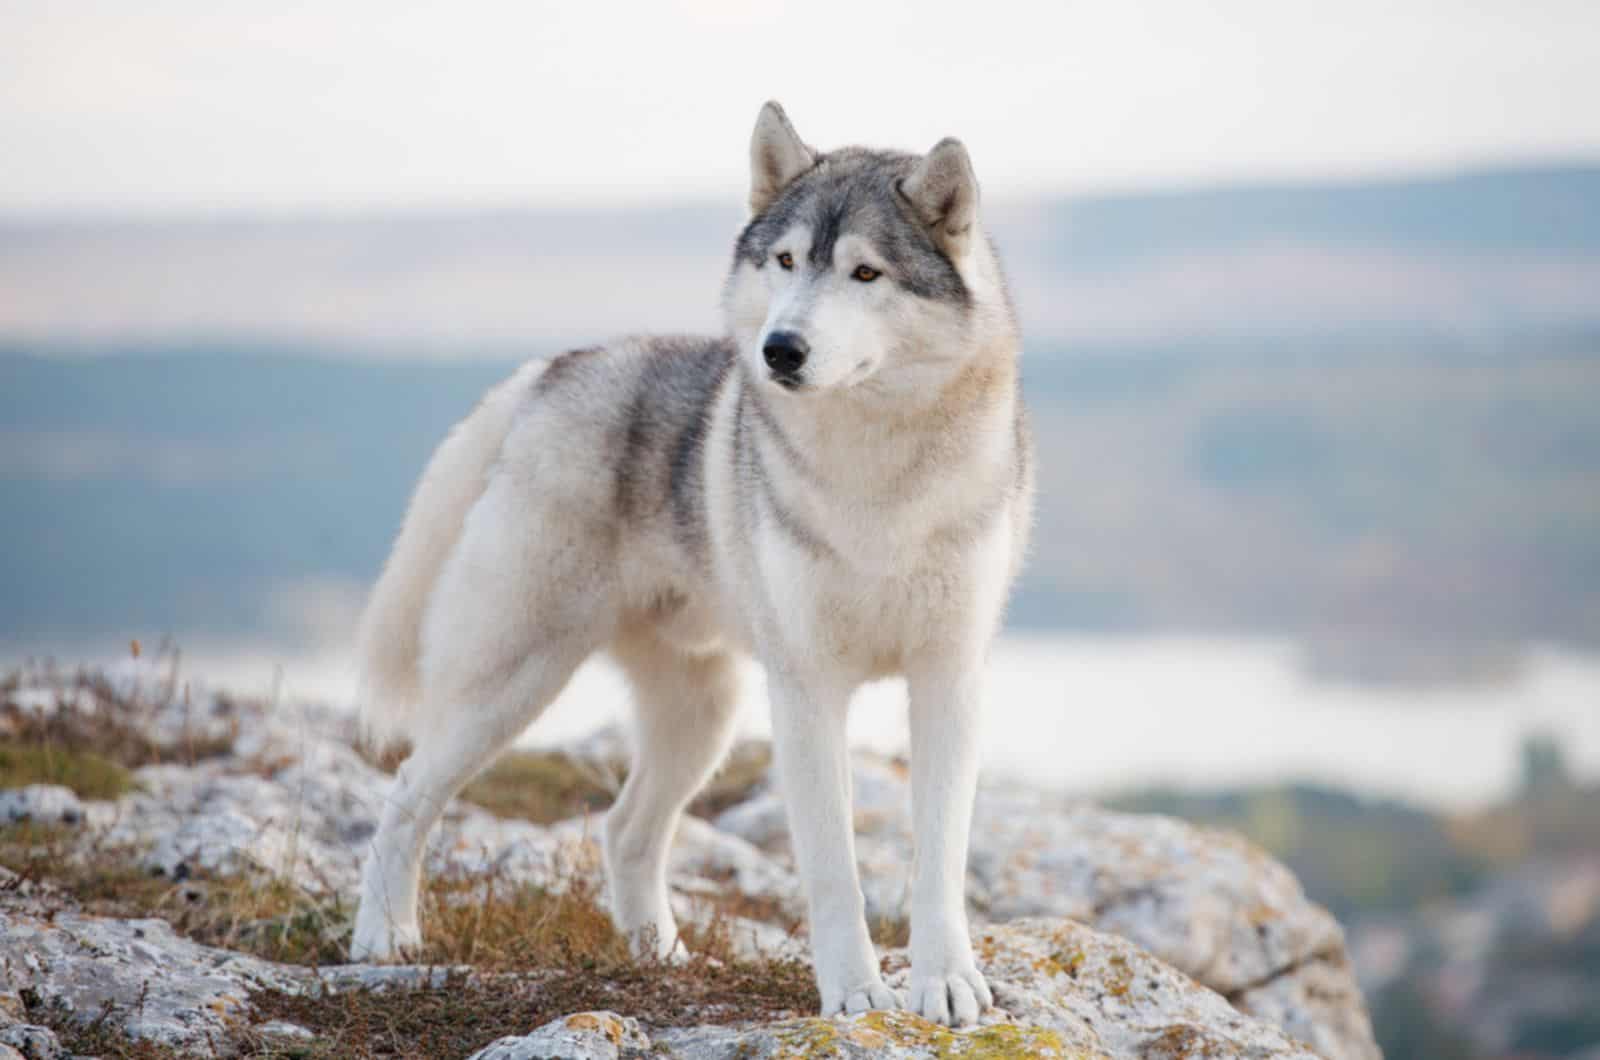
{"x": 467, "y": 1013}
{"x": 494, "y": 925}
{"x": 88, "y": 716}
{"x": 891, "y": 932}
{"x": 257, "y": 914}
{"x": 536, "y": 954}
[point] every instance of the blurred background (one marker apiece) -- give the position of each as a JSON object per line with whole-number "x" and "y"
{"x": 1312, "y": 305}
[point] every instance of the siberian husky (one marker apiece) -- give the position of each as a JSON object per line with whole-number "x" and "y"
{"x": 839, "y": 487}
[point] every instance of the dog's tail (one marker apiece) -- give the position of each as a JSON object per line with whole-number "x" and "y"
{"x": 389, "y": 642}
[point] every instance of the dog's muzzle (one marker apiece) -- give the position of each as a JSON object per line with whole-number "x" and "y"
{"x": 785, "y": 353}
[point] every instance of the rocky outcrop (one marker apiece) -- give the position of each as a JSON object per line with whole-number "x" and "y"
{"x": 1065, "y": 991}
{"x": 1103, "y": 934}
{"x": 161, "y": 986}
{"x": 1061, "y": 990}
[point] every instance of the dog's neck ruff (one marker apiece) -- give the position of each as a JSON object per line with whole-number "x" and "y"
{"x": 885, "y": 448}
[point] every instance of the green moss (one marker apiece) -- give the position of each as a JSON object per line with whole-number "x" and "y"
{"x": 549, "y": 786}
{"x": 86, "y": 773}
{"x": 539, "y": 786}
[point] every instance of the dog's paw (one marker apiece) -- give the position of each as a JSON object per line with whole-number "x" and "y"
{"x": 650, "y": 944}
{"x": 954, "y": 998}
{"x": 864, "y": 997}
{"x": 381, "y": 940}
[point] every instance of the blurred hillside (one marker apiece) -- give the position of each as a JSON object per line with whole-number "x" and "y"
{"x": 1479, "y": 258}
{"x": 1362, "y": 414}
{"x": 1407, "y": 513}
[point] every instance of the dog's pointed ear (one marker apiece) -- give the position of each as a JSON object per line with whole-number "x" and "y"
{"x": 777, "y": 156}
{"x": 943, "y": 190}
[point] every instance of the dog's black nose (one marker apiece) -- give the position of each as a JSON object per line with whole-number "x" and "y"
{"x": 785, "y": 353}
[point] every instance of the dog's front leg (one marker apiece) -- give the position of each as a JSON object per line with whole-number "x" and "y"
{"x": 808, "y": 733}
{"x": 946, "y": 985}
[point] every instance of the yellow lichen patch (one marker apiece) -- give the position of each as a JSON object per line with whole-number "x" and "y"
{"x": 1068, "y": 935}
{"x": 903, "y": 1028}
{"x": 997, "y": 1041}
{"x": 1063, "y": 962}
{"x": 807, "y": 1039}
{"x": 866, "y": 1037}
{"x": 1184, "y": 1042}
{"x": 1047, "y": 966}
{"x": 588, "y": 1021}
{"x": 1119, "y": 977}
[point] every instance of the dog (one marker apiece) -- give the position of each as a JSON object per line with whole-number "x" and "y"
{"x": 839, "y": 487}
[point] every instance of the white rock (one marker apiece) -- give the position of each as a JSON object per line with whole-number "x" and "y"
{"x": 30, "y": 1041}
{"x": 284, "y": 1029}
{"x": 41, "y": 803}
{"x": 1210, "y": 903}
{"x": 1062, "y": 989}
{"x": 1066, "y": 991}
{"x": 163, "y": 987}
{"x": 580, "y": 1036}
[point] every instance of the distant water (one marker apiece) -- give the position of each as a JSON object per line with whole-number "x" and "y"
{"x": 1089, "y": 714}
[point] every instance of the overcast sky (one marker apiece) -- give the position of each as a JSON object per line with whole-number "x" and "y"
{"x": 182, "y": 105}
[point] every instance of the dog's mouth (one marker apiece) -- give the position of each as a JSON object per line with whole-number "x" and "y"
{"x": 796, "y": 381}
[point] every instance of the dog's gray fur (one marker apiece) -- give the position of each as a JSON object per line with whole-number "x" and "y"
{"x": 687, "y": 502}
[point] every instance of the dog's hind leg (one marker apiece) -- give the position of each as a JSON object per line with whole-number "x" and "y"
{"x": 508, "y": 623}
{"x": 684, "y": 706}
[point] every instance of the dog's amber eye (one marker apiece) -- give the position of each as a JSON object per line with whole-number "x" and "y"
{"x": 866, "y": 273}
{"x": 786, "y": 260}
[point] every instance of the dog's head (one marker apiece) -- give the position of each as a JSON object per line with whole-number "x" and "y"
{"x": 859, "y": 268}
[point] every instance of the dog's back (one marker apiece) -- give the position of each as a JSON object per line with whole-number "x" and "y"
{"x": 617, "y": 432}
